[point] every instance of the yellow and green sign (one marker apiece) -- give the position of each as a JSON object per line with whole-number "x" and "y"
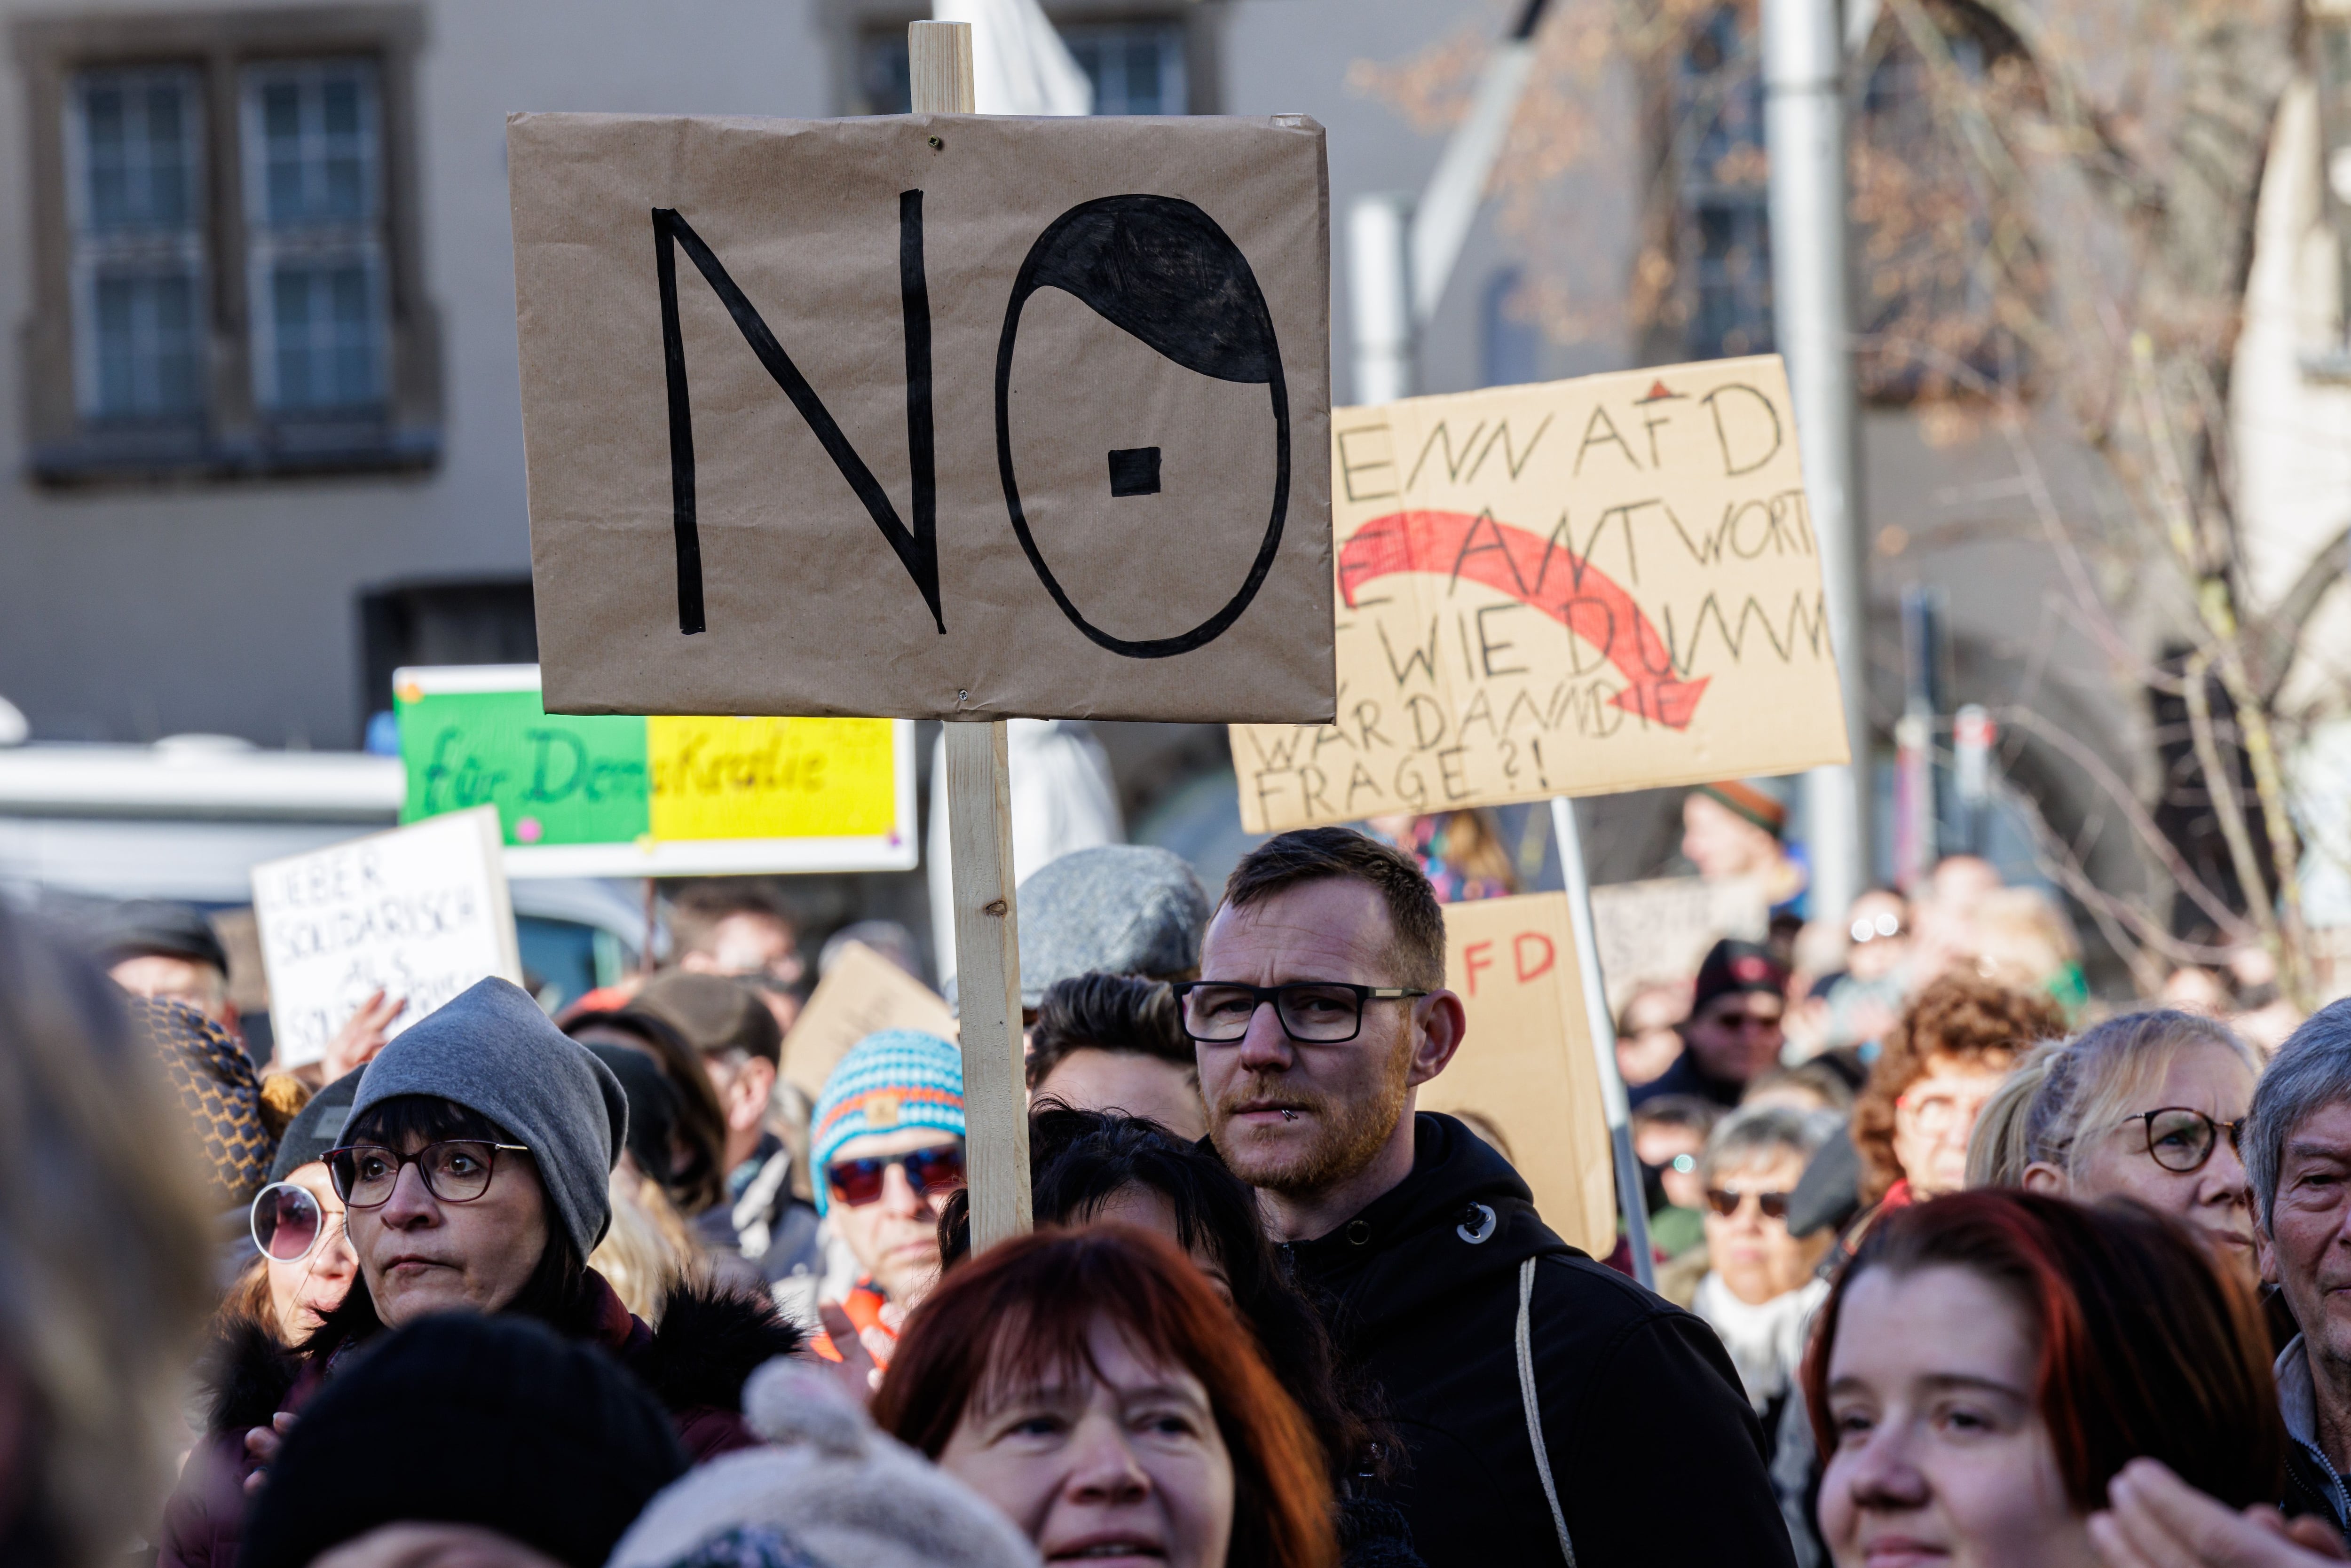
{"x": 663, "y": 796}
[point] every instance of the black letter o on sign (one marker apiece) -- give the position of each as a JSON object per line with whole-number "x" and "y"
{"x": 1161, "y": 269}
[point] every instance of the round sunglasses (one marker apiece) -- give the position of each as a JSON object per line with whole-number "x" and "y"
{"x": 287, "y": 1222}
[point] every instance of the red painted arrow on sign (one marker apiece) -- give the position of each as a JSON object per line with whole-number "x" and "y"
{"x": 1537, "y": 573}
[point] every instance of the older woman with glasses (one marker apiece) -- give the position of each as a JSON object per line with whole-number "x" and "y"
{"x": 473, "y": 1171}
{"x": 2149, "y": 1106}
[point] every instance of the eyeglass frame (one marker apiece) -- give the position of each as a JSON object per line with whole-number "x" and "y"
{"x": 1271, "y": 996}
{"x": 402, "y": 1161}
{"x": 2235, "y": 1130}
{"x": 253, "y": 1218}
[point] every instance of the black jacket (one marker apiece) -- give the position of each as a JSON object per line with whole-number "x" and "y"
{"x": 1657, "y": 1456}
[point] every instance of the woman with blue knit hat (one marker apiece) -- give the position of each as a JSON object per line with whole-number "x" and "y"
{"x": 473, "y": 1170}
{"x": 887, "y": 1145}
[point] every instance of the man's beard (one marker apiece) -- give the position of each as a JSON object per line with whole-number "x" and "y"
{"x": 1352, "y": 1133}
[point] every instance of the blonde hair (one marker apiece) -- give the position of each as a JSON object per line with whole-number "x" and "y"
{"x": 2037, "y": 1114}
{"x": 105, "y": 1265}
{"x": 648, "y": 1252}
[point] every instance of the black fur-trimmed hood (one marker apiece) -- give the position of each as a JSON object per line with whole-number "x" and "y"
{"x": 245, "y": 1373}
{"x": 710, "y": 1340}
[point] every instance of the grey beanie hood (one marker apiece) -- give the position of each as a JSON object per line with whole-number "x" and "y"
{"x": 1114, "y": 909}
{"x": 490, "y": 1050}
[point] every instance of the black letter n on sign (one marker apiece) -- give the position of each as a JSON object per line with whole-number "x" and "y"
{"x": 917, "y": 548}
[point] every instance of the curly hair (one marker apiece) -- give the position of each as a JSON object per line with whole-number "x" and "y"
{"x": 1960, "y": 1017}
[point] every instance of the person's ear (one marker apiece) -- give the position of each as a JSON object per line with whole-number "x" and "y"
{"x": 1441, "y": 1024}
{"x": 2266, "y": 1253}
{"x": 2045, "y": 1178}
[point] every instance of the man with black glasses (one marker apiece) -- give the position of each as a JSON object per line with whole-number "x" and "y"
{"x": 1550, "y": 1408}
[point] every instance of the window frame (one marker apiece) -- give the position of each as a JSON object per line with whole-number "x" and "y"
{"x": 235, "y": 438}
{"x": 849, "y": 24}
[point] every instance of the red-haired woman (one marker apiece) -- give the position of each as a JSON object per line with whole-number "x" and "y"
{"x": 1093, "y": 1386}
{"x": 1990, "y": 1361}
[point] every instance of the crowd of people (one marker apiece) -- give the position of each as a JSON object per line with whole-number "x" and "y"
{"x": 1952, "y": 1262}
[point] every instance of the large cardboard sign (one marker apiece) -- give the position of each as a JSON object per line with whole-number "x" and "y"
{"x": 1525, "y": 1065}
{"x": 864, "y": 993}
{"x": 418, "y": 913}
{"x": 927, "y": 416}
{"x": 666, "y": 796}
{"x": 1574, "y": 589}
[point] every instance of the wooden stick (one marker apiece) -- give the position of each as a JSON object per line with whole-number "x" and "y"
{"x": 1633, "y": 1198}
{"x": 979, "y": 838}
{"x": 987, "y": 980}
{"x": 938, "y": 67}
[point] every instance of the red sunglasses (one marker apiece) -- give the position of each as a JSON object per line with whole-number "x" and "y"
{"x": 934, "y": 1172}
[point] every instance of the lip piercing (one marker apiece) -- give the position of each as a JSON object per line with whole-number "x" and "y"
{"x": 1288, "y": 1114}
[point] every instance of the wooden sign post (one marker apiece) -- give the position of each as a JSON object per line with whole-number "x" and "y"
{"x": 979, "y": 835}
{"x": 936, "y": 415}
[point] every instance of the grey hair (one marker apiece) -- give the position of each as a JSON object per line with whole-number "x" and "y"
{"x": 1756, "y": 1134}
{"x": 2310, "y": 1071}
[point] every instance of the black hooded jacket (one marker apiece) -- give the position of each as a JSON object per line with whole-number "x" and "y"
{"x": 1657, "y": 1456}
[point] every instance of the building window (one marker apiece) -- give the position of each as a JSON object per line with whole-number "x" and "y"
{"x": 135, "y": 142}
{"x": 227, "y": 263}
{"x": 1136, "y": 67}
{"x": 1717, "y": 148}
{"x": 313, "y": 221}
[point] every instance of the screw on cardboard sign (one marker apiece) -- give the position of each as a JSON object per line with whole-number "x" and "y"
{"x": 1574, "y": 589}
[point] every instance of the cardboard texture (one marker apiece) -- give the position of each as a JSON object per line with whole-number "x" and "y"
{"x": 610, "y": 795}
{"x": 1574, "y": 589}
{"x": 864, "y": 993}
{"x": 421, "y": 911}
{"x": 1661, "y": 929}
{"x": 1525, "y": 1065}
{"x": 927, "y": 416}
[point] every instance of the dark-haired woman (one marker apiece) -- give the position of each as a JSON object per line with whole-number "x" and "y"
{"x": 1094, "y": 1167}
{"x": 1089, "y": 1383}
{"x": 1989, "y": 1363}
{"x": 473, "y": 1174}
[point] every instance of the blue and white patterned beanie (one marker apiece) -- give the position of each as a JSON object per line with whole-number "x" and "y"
{"x": 888, "y": 1082}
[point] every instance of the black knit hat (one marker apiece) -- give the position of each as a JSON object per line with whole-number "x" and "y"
{"x": 653, "y": 1106}
{"x": 496, "y": 1421}
{"x": 1733, "y": 967}
{"x": 317, "y": 1126}
{"x": 156, "y": 926}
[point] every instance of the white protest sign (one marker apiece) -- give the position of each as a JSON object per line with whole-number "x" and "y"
{"x": 419, "y": 913}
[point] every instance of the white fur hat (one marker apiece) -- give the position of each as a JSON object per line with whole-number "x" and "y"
{"x": 833, "y": 1493}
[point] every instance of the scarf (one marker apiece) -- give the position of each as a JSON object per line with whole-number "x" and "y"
{"x": 1766, "y": 1343}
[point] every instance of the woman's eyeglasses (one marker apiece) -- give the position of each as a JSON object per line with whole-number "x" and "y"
{"x": 1726, "y": 1203}
{"x": 2182, "y": 1140}
{"x": 287, "y": 1222}
{"x": 455, "y": 1170}
{"x": 934, "y": 1172}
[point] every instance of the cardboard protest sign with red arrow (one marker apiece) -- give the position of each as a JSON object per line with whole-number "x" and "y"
{"x": 1570, "y": 588}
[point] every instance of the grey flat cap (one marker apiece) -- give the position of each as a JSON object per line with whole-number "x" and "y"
{"x": 1117, "y": 909}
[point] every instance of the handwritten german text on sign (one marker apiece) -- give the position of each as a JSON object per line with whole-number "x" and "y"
{"x": 927, "y": 416}
{"x": 418, "y": 913}
{"x": 1525, "y": 1065}
{"x": 1574, "y": 589}
{"x": 667, "y": 796}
